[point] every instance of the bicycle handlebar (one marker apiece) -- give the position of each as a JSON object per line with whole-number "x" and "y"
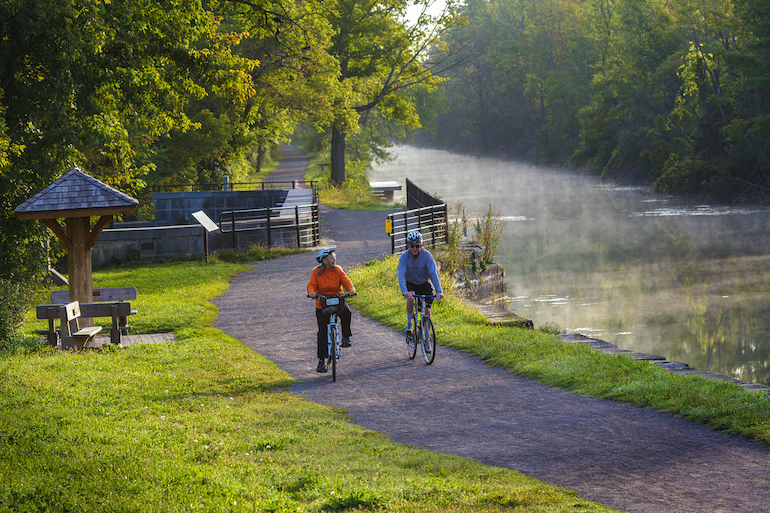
{"x": 341, "y": 296}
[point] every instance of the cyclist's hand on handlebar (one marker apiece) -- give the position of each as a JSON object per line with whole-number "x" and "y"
{"x": 439, "y": 297}
{"x": 313, "y": 296}
{"x": 408, "y": 294}
{"x": 350, "y": 293}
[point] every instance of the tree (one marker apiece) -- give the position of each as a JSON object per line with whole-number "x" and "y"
{"x": 379, "y": 56}
{"x": 94, "y": 84}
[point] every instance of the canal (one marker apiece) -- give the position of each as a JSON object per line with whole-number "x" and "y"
{"x": 647, "y": 272}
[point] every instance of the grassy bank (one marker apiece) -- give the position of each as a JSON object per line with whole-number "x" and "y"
{"x": 538, "y": 355}
{"x": 354, "y": 194}
{"x": 206, "y": 424}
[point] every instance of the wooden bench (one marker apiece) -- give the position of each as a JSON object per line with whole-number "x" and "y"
{"x": 107, "y": 295}
{"x": 113, "y": 304}
{"x": 116, "y": 311}
{"x": 72, "y": 335}
{"x": 385, "y": 189}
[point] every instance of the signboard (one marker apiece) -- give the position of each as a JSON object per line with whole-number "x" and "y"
{"x": 207, "y": 223}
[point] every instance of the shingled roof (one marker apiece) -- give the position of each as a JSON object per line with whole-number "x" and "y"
{"x": 76, "y": 194}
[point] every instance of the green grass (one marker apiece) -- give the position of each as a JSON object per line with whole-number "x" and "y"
{"x": 206, "y": 424}
{"x": 540, "y": 355}
{"x": 353, "y": 194}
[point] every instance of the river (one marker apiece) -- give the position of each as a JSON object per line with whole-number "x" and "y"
{"x": 645, "y": 271}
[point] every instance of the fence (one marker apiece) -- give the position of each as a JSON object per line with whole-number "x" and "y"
{"x": 418, "y": 198}
{"x": 426, "y": 213}
{"x": 276, "y": 226}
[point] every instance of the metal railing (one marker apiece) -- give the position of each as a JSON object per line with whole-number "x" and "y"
{"x": 431, "y": 221}
{"x": 274, "y": 225}
{"x": 425, "y": 213}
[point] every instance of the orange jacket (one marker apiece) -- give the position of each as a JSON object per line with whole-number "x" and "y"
{"x": 330, "y": 282}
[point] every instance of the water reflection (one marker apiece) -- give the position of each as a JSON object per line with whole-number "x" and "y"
{"x": 690, "y": 282}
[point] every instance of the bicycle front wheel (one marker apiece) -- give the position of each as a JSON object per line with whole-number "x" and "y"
{"x": 333, "y": 350}
{"x": 428, "y": 340}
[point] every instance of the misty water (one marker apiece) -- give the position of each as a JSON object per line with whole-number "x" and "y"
{"x": 647, "y": 272}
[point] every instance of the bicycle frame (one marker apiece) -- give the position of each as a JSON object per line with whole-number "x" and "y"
{"x": 424, "y": 332}
{"x": 333, "y": 334}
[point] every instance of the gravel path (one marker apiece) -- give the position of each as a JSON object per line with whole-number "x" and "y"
{"x": 630, "y": 458}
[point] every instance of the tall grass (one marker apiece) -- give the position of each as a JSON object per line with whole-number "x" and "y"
{"x": 540, "y": 355}
{"x": 206, "y": 424}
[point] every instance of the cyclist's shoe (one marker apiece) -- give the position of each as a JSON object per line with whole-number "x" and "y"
{"x": 427, "y": 348}
{"x": 321, "y": 365}
{"x": 345, "y": 342}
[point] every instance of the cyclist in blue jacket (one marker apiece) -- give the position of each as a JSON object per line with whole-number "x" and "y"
{"x": 417, "y": 274}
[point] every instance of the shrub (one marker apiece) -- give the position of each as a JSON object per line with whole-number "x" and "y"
{"x": 13, "y": 304}
{"x": 489, "y": 229}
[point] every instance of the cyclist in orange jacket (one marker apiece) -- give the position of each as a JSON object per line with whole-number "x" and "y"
{"x": 328, "y": 279}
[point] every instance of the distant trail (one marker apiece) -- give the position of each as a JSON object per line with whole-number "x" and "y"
{"x": 292, "y": 167}
{"x": 629, "y": 458}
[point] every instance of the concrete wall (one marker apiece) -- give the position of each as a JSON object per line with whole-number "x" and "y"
{"x": 152, "y": 243}
{"x": 167, "y": 242}
{"x": 174, "y": 208}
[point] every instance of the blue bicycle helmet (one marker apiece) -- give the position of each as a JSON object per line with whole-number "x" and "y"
{"x": 324, "y": 253}
{"x": 414, "y": 237}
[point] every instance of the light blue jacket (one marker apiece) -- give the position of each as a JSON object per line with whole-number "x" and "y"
{"x": 418, "y": 270}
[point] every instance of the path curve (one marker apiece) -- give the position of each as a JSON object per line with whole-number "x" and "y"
{"x": 629, "y": 458}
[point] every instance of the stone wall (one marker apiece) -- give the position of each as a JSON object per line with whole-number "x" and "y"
{"x": 485, "y": 285}
{"x": 176, "y": 208}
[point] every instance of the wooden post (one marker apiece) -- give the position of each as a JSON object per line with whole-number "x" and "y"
{"x": 79, "y": 261}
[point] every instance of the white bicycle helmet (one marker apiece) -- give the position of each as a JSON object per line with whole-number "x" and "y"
{"x": 414, "y": 237}
{"x": 324, "y": 253}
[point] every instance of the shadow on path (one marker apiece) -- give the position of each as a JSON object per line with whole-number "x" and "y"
{"x": 629, "y": 458}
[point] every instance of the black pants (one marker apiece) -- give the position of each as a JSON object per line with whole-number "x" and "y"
{"x": 323, "y": 320}
{"x": 423, "y": 289}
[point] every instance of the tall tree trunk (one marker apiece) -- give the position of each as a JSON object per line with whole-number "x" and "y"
{"x": 260, "y": 155}
{"x": 338, "y": 156}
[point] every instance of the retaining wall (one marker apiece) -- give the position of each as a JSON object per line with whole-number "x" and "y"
{"x": 176, "y": 208}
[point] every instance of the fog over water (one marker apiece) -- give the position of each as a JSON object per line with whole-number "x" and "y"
{"x": 648, "y": 272}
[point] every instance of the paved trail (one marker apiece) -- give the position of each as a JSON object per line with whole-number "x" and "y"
{"x": 632, "y": 459}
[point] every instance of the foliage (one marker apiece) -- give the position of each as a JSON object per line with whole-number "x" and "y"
{"x": 205, "y": 423}
{"x": 381, "y": 57}
{"x": 489, "y": 227}
{"x": 674, "y": 93}
{"x": 95, "y": 85}
{"x": 538, "y": 354}
{"x": 451, "y": 256}
{"x": 14, "y": 301}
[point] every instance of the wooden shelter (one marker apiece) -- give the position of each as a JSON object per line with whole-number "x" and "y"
{"x": 76, "y": 197}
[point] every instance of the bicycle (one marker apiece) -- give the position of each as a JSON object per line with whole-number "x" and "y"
{"x": 334, "y": 305}
{"x": 424, "y": 332}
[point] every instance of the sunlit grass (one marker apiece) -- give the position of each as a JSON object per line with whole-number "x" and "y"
{"x": 206, "y": 424}
{"x": 354, "y": 194}
{"x": 540, "y": 355}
